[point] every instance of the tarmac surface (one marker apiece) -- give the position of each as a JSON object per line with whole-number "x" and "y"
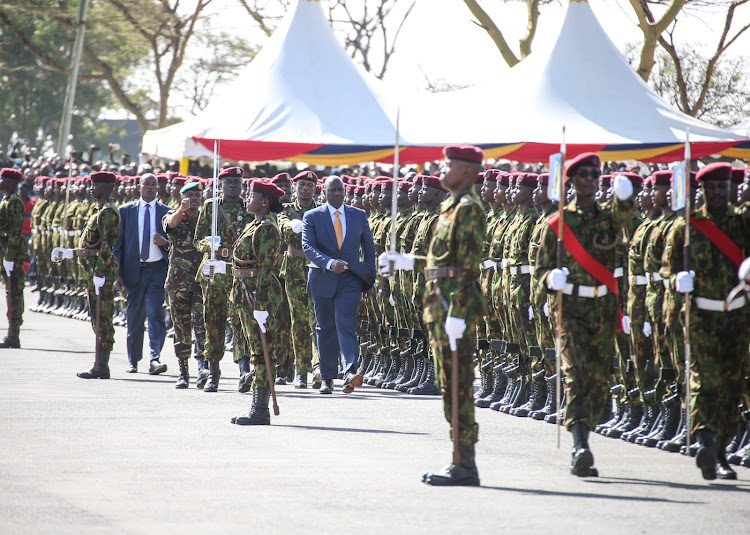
{"x": 133, "y": 455}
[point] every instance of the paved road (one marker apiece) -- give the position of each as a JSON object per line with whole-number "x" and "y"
{"x": 134, "y": 455}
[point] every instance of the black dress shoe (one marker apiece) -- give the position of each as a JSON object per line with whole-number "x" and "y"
{"x": 352, "y": 381}
{"x": 327, "y": 387}
{"x": 133, "y": 368}
{"x": 156, "y": 367}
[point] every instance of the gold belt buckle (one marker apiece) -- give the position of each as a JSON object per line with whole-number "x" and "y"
{"x": 596, "y": 291}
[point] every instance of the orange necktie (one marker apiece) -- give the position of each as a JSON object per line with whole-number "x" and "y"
{"x": 339, "y": 228}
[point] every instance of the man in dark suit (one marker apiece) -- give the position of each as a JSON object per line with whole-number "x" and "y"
{"x": 337, "y": 240}
{"x": 142, "y": 255}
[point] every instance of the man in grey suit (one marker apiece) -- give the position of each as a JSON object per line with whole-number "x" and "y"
{"x": 337, "y": 240}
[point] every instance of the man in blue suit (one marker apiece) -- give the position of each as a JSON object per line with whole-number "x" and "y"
{"x": 337, "y": 240}
{"x": 140, "y": 250}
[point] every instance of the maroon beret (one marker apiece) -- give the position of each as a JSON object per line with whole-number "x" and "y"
{"x": 419, "y": 179}
{"x": 359, "y": 191}
{"x": 171, "y": 175}
{"x": 178, "y": 181}
{"x": 480, "y": 178}
{"x": 513, "y": 178}
{"x": 9, "y": 172}
{"x": 464, "y": 153}
{"x": 715, "y": 171}
{"x": 662, "y": 178}
{"x": 543, "y": 179}
{"x": 231, "y": 172}
{"x": 738, "y": 175}
{"x": 434, "y": 182}
{"x": 306, "y": 175}
{"x": 635, "y": 179}
{"x": 492, "y": 174}
{"x": 504, "y": 179}
{"x": 162, "y": 178}
{"x": 528, "y": 180}
{"x": 377, "y": 185}
{"x": 318, "y": 188}
{"x": 585, "y": 159}
{"x": 605, "y": 180}
{"x": 103, "y": 177}
{"x": 281, "y": 177}
{"x": 266, "y": 187}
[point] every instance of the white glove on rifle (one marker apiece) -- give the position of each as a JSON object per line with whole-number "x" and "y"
{"x": 557, "y": 279}
{"x": 545, "y": 309}
{"x": 296, "y": 225}
{"x": 8, "y": 265}
{"x": 391, "y": 301}
{"x": 685, "y": 282}
{"x": 531, "y": 313}
{"x": 261, "y": 316}
{"x": 400, "y": 261}
{"x": 622, "y": 187}
{"x": 215, "y": 242}
{"x": 626, "y": 324}
{"x": 219, "y": 266}
{"x": 744, "y": 272}
{"x": 98, "y": 283}
{"x": 646, "y": 329}
{"x": 454, "y": 328}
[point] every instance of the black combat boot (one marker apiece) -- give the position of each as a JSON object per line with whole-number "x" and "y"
{"x": 550, "y": 402}
{"x": 184, "y": 379}
{"x": 706, "y": 459}
{"x": 582, "y": 463}
{"x": 416, "y": 376}
{"x": 403, "y": 363}
{"x": 11, "y": 339}
{"x": 537, "y": 397}
{"x": 499, "y": 384}
{"x": 259, "y": 413}
{"x": 427, "y": 386}
{"x": 723, "y": 470}
{"x": 103, "y": 367}
{"x": 486, "y": 385}
{"x": 200, "y": 380}
{"x": 214, "y": 374}
{"x": 246, "y": 376}
{"x": 366, "y": 359}
{"x": 464, "y": 474}
{"x": 615, "y": 391}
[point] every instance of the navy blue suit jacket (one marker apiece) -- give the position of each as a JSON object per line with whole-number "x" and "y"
{"x": 320, "y": 245}
{"x": 127, "y": 250}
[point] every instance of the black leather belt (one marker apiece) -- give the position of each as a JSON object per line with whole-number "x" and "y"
{"x": 143, "y": 264}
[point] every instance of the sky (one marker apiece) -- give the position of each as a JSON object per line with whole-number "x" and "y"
{"x": 441, "y": 44}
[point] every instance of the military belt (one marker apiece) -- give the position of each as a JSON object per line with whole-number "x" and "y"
{"x": 590, "y": 292}
{"x": 87, "y": 252}
{"x": 719, "y": 305}
{"x": 223, "y": 252}
{"x": 523, "y": 270}
{"x": 488, "y": 264}
{"x": 638, "y": 280}
{"x": 446, "y": 272}
{"x": 504, "y": 263}
{"x": 655, "y": 277}
{"x": 619, "y": 272}
{"x": 299, "y": 253}
{"x": 666, "y": 284}
{"x": 244, "y": 273}
{"x": 71, "y": 233}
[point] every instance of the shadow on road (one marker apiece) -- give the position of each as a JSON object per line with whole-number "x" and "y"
{"x": 594, "y": 495}
{"x": 84, "y": 352}
{"x": 349, "y": 429}
{"x": 728, "y": 486}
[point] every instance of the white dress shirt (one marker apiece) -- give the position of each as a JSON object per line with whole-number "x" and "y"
{"x": 154, "y": 253}
{"x": 342, "y": 218}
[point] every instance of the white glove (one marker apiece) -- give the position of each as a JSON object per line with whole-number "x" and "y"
{"x": 545, "y": 309}
{"x": 296, "y": 225}
{"x": 531, "y": 313}
{"x": 626, "y": 324}
{"x": 454, "y": 328}
{"x": 219, "y": 266}
{"x": 400, "y": 261}
{"x": 557, "y": 279}
{"x": 216, "y": 241}
{"x": 261, "y": 316}
{"x": 8, "y": 265}
{"x": 412, "y": 299}
{"x": 391, "y": 301}
{"x": 98, "y": 283}
{"x": 685, "y": 282}
{"x": 61, "y": 253}
{"x": 646, "y": 329}
{"x": 487, "y": 264}
{"x": 623, "y": 187}
{"x": 744, "y": 271}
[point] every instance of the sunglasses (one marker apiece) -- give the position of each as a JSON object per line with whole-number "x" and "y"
{"x": 594, "y": 174}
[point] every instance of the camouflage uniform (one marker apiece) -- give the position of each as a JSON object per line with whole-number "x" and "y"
{"x": 460, "y": 227}
{"x": 183, "y": 291}
{"x": 543, "y": 321}
{"x": 588, "y": 324}
{"x": 100, "y": 233}
{"x": 258, "y": 248}
{"x": 13, "y": 248}
{"x": 216, "y": 306}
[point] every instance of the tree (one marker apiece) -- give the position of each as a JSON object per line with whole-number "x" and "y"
{"x": 652, "y": 30}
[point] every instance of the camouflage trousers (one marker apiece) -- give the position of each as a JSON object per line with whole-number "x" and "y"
{"x": 216, "y": 311}
{"x": 719, "y": 364}
{"x": 302, "y": 316}
{"x": 276, "y": 329}
{"x": 285, "y": 358}
{"x": 468, "y": 427}
{"x": 186, "y": 309}
{"x": 588, "y": 333}
{"x": 641, "y": 346}
{"x": 14, "y": 285}
{"x": 107, "y": 310}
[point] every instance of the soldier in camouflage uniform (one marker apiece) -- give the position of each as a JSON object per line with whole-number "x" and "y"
{"x": 719, "y": 331}
{"x": 184, "y": 294}
{"x": 14, "y": 249}
{"x": 258, "y": 294}
{"x": 294, "y": 274}
{"x": 216, "y": 306}
{"x": 99, "y": 268}
{"x": 590, "y": 304}
{"x": 454, "y": 303}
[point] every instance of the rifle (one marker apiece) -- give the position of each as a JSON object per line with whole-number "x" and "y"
{"x": 686, "y": 267}
{"x": 560, "y": 252}
{"x": 266, "y": 357}
{"x": 214, "y": 215}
